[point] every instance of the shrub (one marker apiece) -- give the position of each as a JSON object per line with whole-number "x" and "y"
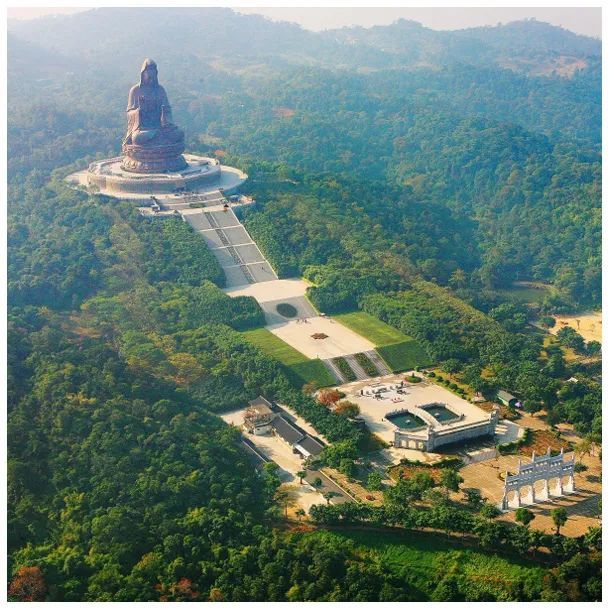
{"x": 368, "y": 366}
{"x": 286, "y": 310}
{"x": 346, "y": 408}
{"x": 343, "y": 366}
{"x": 328, "y": 397}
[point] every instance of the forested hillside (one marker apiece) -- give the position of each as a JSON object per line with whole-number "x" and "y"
{"x": 417, "y": 186}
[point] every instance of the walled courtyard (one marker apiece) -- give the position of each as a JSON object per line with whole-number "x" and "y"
{"x": 374, "y": 410}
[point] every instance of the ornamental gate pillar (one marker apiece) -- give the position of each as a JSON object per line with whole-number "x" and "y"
{"x": 546, "y": 490}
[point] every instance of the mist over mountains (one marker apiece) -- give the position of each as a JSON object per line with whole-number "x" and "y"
{"x": 122, "y": 34}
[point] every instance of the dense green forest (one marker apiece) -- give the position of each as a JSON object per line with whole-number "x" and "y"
{"x": 409, "y": 173}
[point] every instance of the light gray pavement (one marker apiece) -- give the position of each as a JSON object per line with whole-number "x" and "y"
{"x": 303, "y": 307}
{"x": 378, "y": 361}
{"x": 235, "y": 276}
{"x": 237, "y": 235}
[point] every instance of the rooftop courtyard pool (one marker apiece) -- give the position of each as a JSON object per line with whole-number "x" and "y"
{"x": 405, "y": 420}
{"x": 440, "y": 413}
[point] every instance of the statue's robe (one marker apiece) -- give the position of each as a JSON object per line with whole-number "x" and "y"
{"x": 148, "y": 111}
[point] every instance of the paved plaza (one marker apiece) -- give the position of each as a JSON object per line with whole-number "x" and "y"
{"x": 373, "y": 410}
{"x": 298, "y": 332}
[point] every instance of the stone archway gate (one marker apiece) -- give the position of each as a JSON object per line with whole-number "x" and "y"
{"x": 545, "y": 468}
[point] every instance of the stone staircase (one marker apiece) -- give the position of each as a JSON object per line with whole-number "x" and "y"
{"x": 231, "y": 249}
{"x": 334, "y": 371}
{"x": 378, "y": 361}
{"x": 359, "y": 372}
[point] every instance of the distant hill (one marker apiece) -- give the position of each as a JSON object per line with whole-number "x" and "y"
{"x": 124, "y": 35}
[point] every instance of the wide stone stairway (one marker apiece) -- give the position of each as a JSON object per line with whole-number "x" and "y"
{"x": 238, "y": 255}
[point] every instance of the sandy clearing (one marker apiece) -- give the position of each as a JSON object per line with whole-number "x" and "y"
{"x": 589, "y": 325}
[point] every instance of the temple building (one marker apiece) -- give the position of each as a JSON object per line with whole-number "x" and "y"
{"x": 258, "y": 418}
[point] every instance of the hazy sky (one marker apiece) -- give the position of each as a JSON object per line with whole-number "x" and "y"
{"x": 581, "y": 20}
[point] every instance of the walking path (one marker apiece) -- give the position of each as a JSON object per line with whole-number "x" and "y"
{"x": 249, "y": 273}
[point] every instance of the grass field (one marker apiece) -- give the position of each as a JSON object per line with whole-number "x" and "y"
{"x": 529, "y": 292}
{"x": 272, "y": 345}
{"x": 311, "y": 370}
{"x": 421, "y": 560}
{"x": 405, "y": 355}
{"x": 299, "y": 367}
{"x": 400, "y": 351}
{"x": 375, "y": 330}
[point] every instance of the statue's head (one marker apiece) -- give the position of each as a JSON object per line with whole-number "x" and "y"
{"x": 149, "y": 73}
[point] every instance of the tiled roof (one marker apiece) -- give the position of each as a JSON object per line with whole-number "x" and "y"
{"x": 286, "y": 430}
{"x": 504, "y": 395}
{"x": 311, "y": 445}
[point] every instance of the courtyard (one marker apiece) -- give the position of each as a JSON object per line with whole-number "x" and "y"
{"x": 278, "y": 451}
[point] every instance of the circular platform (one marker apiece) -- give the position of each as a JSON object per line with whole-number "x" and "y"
{"x": 107, "y": 177}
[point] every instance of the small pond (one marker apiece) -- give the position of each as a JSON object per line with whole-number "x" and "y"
{"x": 440, "y": 413}
{"x": 405, "y": 420}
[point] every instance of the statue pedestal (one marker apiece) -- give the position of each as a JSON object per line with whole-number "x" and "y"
{"x": 154, "y": 159}
{"x": 200, "y": 174}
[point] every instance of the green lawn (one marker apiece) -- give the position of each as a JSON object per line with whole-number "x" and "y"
{"x": 406, "y": 355}
{"x": 400, "y": 351}
{"x": 420, "y": 561}
{"x": 272, "y": 345}
{"x": 299, "y": 367}
{"x": 311, "y": 370}
{"x": 375, "y": 330}
{"x": 526, "y": 294}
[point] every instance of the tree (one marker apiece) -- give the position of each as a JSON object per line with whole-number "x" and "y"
{"x": 474, "y": 498}
{"x": 559, "y": 517}
{"x": 375, "y": 481}
{"x": 285, "y": 496}
{"x": 489, "y": 511}
{"x": 547, "y": 321}
{"x": 328, "y": 495}
{"x": 524, "y": 516}
{"x": 583, "y": 447}
{"x": 347, "y": 409}
{"x": 450, "y": 480}
{"x": 435, "y": 497}
{"x": 571, "y": 338}
{"x": 216, "y": 595}
{"x": 347, "y": 467}
{"x": 28, "y": 585}
{"x": 317, "y": 483}
{"x": 301, "y": 474}
{"x": 300, "y": 513}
